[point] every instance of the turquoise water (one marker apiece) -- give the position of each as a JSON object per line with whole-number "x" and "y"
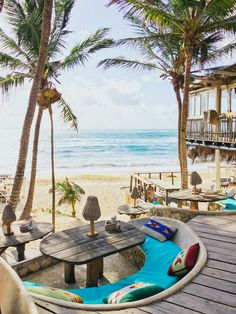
{"x": 99, "y": 151}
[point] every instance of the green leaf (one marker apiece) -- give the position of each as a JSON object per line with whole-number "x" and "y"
{"x": 67, "y": 114}
{"x": 10, "y": 81}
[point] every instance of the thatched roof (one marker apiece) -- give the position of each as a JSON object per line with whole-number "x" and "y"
{"x": 212, "y": 77}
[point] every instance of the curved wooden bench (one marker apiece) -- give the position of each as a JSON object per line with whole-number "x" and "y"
{"x": 183, "y": 238}
{"x": 13, "y": 296}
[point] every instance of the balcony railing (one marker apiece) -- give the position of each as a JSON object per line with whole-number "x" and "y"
{"x": 224, "y": 132}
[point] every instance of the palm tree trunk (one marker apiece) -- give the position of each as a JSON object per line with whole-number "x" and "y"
{"x": 53, "y": 170}
{"x": 184, "y": 116}
{"x": 179, "y": 102}
{"x": 25, "y": 136}
{"x": 29, "y": 202}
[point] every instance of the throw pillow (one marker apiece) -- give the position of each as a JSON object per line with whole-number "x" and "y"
{"x": 55, "y": 293}
{"x": 184, "y": 261}
{"x": 134, "y": 292}
{"x": 215, "y": 206}
{"x": 158, "y": 230}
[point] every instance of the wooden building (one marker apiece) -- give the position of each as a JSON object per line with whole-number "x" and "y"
{"x": 212, "y": 112}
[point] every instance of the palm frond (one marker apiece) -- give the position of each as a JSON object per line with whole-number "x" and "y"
{"x": 81, "y": 52}
{"x": 225, "y": 25}
{"x": 128, "y": 64}
{"x": 26, "y": 20}
{"x": 11, "y": 63}
{"x": 77, "y": 188}
{"x": 63, "y": 200}
{"x": 219, "y": 9}
{"x": 62, "y": 14}
{"x": 15, "y": 12}
{"x": 12, "y": 46}
{"x": 67, "y": 114}
{"x": 10, "y": 81}
{"x": 156, "y": 11}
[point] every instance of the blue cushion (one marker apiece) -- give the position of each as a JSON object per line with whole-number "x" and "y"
{"x": 159, "y": 256}
{"x": 230, "y": 203}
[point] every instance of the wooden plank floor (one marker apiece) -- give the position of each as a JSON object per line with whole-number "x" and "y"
{"x": 213, "y": 290}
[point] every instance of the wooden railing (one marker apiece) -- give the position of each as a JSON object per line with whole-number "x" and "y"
{"x": 198, "y": 129}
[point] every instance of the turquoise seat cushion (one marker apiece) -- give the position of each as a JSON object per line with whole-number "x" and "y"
{"x": 230, "y": 203}
{"x": 159, "y": 256}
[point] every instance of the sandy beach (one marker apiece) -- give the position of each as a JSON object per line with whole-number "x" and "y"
{"x": 109, "y": 188}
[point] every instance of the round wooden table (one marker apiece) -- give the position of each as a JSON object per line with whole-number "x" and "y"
{"x": 133, "y": 212}
{"x": 19, "y": 239}
{"x": 74, "y": 247}
{"x": 186, "y": 195}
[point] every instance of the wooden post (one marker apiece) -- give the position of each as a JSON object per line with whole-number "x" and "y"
{"x": 229, "y": 107}
{"x": 145, "y": 192}
{"x": 217, "y": 165}
{"x": 131, "y": 184}
{"x": 69, "y": 271}
{"x": 217, "y": 130}
{"x": 166, "y": 198}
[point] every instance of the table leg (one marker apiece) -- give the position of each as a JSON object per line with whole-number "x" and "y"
{"x": 69, "y": 272}
{"x": 134, "y": 216}
{"x": 167, "y": 198}
{"x": 179, "y": 203}
{"x": 194, "y": 205}
{"x": 21, "y": 252}
{"x": 100, "y": 267}
{"x": 93, "y": 272}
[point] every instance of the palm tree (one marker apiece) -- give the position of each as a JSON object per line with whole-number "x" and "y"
{"x": 11, "y": 62}
{"x": 20, "y": 59}
{"x": 161, "y": 53}
{"x": 192, "y": 22}
{"x": 70, "y": 193}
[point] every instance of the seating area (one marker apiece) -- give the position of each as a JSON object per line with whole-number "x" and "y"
{"x": 155, "y": 273}
{"x": 158, "y": 258}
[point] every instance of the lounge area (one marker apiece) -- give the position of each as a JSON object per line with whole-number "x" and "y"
{"x": 157, "y": 258}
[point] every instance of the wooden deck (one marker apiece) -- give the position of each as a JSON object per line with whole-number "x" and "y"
{"x": 212, "y": 291}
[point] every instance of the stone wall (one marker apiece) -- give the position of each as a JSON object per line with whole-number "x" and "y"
{"x": 33, "y": 265}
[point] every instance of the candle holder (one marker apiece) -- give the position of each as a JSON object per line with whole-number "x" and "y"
{"x": 91, "y": 213}
{"x": 195, "y": 179}
{"x": 8, "y": 216}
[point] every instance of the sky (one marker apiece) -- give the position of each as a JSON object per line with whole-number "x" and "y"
{"x": 113, "y": 99}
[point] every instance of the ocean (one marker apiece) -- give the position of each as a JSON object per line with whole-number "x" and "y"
{"x": 97, "y": 151}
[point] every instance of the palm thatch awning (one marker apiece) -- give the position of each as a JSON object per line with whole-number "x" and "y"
{"x": 213, "y": 77}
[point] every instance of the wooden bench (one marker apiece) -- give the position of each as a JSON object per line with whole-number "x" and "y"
{"x": 212, "y": 291}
